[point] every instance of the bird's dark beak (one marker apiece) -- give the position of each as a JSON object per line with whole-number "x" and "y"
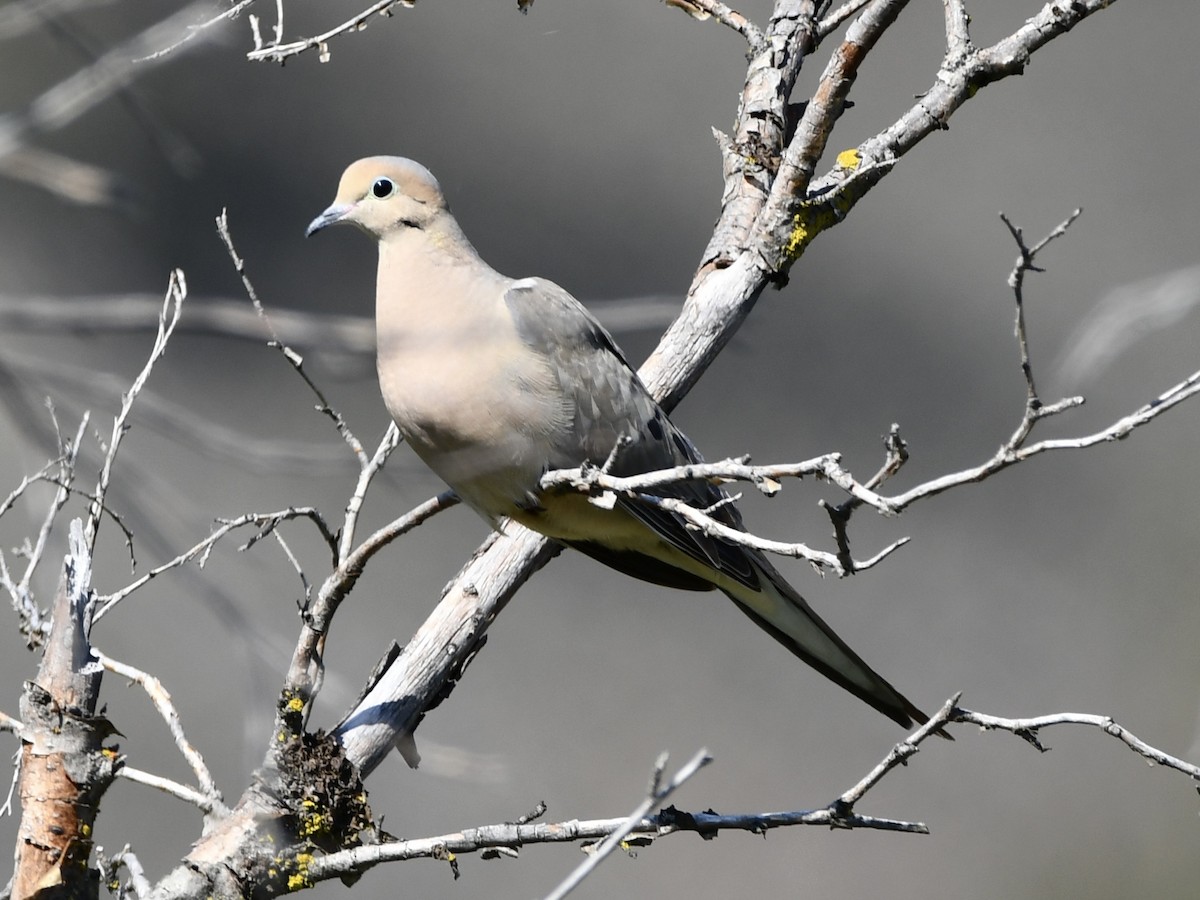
{"x": 331, "y": 216}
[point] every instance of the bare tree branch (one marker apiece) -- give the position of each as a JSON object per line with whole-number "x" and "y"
{"x": 127, "y": 859}
{"x": 774, "y": 207}
{"x": 645, "y": 828}
{"x": 727, "y": 16}
{"x": 1029, "y": 728}
{"x": 266, "y": 522}
{"x": 162, "y": 702}
{"x": 34, "y": 626}
{"x": 203, "y": 801}
{"x": 281, "y": 52}
{"x": 294, "y": 359}
{"x": 641, "y": 830}
{"x": 657, "y": 793}
{"x": 834, "y": 20}
{"x": 302, "y": 680}
{"x": 172, "y": 308}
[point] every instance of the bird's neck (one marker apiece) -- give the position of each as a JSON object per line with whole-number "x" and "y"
{"x": 433, "y": 265}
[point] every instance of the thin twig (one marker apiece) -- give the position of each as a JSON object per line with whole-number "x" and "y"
{"x": 68, "y": 455}
{"x": 41, "y": 475}
{"x": 834, "y": 20}
{"x": 294, "y": 359}
{"x": 303, "y": 672}
{"x": 897, "y": 756}
{"x": 1028, "y": 728}
{"x": 728, "y": 17}
{"x": 198, "y": 799}
{"x": 172, "y": 307}
{"x": 127, "y": 859}
{"x": 277, "y": 52}
{"x": 657, "y": 794}
{"x": 34, "y": 626}
{"x": 6, "y": 808}
{"x": 267, "y": 522}
{"x": 1016, "y": 280}
{"x": 645, "y": 828}
{"x": 369, "y": 469}
{"x": 162, "y": 702}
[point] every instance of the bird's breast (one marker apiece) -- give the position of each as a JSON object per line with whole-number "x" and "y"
{"x": 476, "y": 410}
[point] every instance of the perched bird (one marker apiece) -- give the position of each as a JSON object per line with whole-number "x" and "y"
{"x": 494, "y": 381}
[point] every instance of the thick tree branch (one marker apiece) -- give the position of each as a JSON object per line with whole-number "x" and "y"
{"x": 64, "y": 765}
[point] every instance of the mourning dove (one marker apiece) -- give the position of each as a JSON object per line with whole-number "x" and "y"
{"x": 495, "y": 381}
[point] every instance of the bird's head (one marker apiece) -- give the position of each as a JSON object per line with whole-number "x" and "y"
{"x": 381, "y": 194}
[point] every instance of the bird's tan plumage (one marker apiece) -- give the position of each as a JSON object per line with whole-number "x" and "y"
{"x": 494, "y": 381}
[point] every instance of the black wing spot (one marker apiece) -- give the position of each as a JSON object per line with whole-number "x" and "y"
{"x": 655, "y": 427}
{"x": 681, "y": 444}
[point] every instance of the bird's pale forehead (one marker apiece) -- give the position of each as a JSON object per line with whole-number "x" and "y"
{"x": 412, "y": 179}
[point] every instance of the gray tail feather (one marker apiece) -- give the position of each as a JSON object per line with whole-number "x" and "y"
{"x": 785, "y": 615}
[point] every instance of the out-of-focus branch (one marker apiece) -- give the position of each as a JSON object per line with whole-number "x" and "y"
{"x": 19, "y": 17}
{"x": 327, "y": 333}
{"x": 66, "y": 101}
{"x": 72, "y": 180}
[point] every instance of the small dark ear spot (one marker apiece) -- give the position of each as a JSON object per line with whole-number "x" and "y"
{"x": 383, "y": 188}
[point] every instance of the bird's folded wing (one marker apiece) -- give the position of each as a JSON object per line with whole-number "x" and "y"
{"x": 607, "y": 401}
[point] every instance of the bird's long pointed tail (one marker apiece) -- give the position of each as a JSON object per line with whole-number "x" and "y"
{"x": 782, "y": 612}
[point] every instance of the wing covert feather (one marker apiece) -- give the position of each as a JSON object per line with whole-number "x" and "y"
{"x": 609, "y": 401}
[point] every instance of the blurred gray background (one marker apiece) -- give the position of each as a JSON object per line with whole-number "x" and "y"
{"x": 575, "y": 143}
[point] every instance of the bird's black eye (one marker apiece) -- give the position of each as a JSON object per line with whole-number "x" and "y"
{"x": 383, "y": 188}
